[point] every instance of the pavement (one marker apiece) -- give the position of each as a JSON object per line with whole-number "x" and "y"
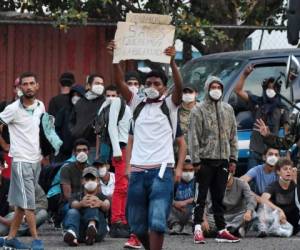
{"x": 53, "y": 240}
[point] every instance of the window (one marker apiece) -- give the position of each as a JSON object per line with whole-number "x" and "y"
{"x": 253, "y": 84}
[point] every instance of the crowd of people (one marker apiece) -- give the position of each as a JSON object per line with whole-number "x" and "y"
{"x": 132, "y": 161}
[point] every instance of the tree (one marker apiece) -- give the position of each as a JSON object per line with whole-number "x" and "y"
{"x": 194, "y": 19}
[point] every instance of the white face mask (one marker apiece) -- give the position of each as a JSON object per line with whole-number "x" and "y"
{"x": 151, "y": 93}
{"x": 82, "y": 157}
{"x": 271, "y": 160}
{"x": 270, "y": 93}
{"x": 75, "y": 99}
{"x": 19, "y": 93}
{"x": 90, "y": 186}
{"x": 215, "y": 94}
{"x": 133, "y": 89}
{"x": 188, "y": 97}
{"x": 102, "y": 171}
{"x": 187, "y": 176}
{"x": 97, "y": 89}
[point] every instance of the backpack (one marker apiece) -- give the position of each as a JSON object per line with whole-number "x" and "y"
{"x": 164, "y": 108}
{"x": 102, "y": 120}
{"x": 47, "y": 175}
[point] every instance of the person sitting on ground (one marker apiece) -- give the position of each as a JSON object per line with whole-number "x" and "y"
{"x": 263, "y": 175}
{"x": 107, "y": 179}
{"x": 180, "y": 219}
{"x": 280, "y": 196}
{"x": 85, "y": 221}
{"x": 41, "y": 215}
{"x": 239, "y": 203}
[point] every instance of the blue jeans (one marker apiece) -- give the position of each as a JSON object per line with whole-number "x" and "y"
{"x": 149, "y": 201}
{"x": 78, "y": 220}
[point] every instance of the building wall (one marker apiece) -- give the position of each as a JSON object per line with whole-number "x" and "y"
{"x": 48, "y": 52}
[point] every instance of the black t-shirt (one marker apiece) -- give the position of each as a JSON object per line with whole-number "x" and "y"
{"x": 79, "y": 196}
{"x": 58, "y": 102}
{"x": 278, "y": 117}
{"x": 71, "y": 175}
{"x": 285, "y": 199}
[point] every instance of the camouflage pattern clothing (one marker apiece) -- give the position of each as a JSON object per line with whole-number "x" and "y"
{"x": 212, "y": 131}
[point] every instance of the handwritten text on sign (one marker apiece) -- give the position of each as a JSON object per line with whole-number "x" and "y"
{"x": 143, "y": 41}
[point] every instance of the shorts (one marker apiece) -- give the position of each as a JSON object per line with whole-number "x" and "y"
{"x": 149, "y": 201}
{"x": 24, "y": 177}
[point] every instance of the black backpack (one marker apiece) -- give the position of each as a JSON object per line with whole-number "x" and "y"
{"x": 164, "y": 108}
{"x": 47, "y": 175}
{"x": 101, "y": 122}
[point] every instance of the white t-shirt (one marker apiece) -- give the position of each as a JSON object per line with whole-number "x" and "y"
{"x": 153, "y": 135}
{"x": 23, "y": 127}
{"x": 108, "y": 189}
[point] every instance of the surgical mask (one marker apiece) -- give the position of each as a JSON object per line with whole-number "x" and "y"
{"x": 102, "y": 171}
{"x": 215, "y": 94}
{"x": 75, "y": 99}
{"x": 90, "y": 186}
{"x": 187, "y": 176}
{"x": 82, "y": 157}
{"x": 19, "y": 93}
{"x": 97, "y": 89}
{"x": 151, "y": 93}
{"x": 270, "y": 93}
{"x": 271, "y": 160}
{"x": 188, "y": 98}
{"x": 111, "y": 98}
{"x": 133, "y": 89}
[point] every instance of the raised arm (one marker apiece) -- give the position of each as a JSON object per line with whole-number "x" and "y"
{"x": 239, "y": 88}
{"x": 177, "y": 92}
{"x": 119, "y": 75}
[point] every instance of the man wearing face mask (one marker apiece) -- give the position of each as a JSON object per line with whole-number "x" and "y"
{"x": 267, "y": 107}
{"x": 151, "y": 156}
{"x": 66, "y": 81}
{"x": 212, "y": 145}
{"x": 107, "y": 179}
{"x": 188, "y": 102}
{"x": 133, "y": 81}
{"x": 180, "y": 219}
{"x": 70, "y": 175}
{"x": 62, "y": 123}
{"x": 85, "y": 221}
{"x": 264, "y": 174}
{"x": 85, "y": 111}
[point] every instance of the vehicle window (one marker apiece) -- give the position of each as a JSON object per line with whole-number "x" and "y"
{"x": 253, "y": 85}
{"x": 196, "y": 73}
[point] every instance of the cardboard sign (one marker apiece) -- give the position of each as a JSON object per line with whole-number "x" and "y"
{"x": 140, "y": 41}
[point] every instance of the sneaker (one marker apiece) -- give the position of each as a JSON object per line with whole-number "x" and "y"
{"x": 90, "y": 234}
{"x": 187, "y": 229}
{"x": 14, "y": 243}
{"x": 37, "y": 245}
{"x": 262, "y": 234}
{"x": 133, "y": 242}
{"x": 225, "y": 236}
{"x": 198, "y": 237}
{"x": 70, "y": 238}
{"x": 117, "y": 230}
{"x": 176, "y": 229}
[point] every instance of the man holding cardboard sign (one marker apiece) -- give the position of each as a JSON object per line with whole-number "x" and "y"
{"x": 150, "y": 154}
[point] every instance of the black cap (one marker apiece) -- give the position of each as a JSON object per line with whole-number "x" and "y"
{"x": 67, "y": 79}
{"x": 190, "y": 87}
{"x": 132, "y": 75}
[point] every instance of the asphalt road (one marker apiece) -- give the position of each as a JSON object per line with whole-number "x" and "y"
{"x": 53, "y": 240}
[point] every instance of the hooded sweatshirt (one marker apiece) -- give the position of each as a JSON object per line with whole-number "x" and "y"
{"x": 212, "y": 131}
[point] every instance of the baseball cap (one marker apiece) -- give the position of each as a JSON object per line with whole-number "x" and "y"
{"x": 190, "y": 87}
{"x": 90, "y": 170}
